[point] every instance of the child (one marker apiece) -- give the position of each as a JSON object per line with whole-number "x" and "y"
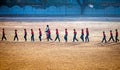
{"x": 74, "y": 37}
{"x": 116, "y": 36}
{"x": 104, "y": 37}
{"x": 57, "y": 35}
{"x": 16, "y": 35}
{"x": 111, "y": 36}
{"x": 87, "y": 35}
{"x": 40, "y": 34}
{"x": 32, "y": 35}
{"x": 49, "y": 35}
{"x": 3, "y": 35}
{"x": 25, "y": 34}
{"x": 82, "y": 35}
{"x": 66, "y": 34}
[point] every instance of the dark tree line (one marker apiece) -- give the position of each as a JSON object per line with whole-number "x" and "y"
{"x": 57, "y": 3}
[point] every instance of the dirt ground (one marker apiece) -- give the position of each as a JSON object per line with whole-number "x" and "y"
{"x": 59, "y": 56}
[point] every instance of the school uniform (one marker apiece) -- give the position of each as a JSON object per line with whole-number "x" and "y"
{"x": 87, "y": 36}
{"x": 116, "y": 37}
{"x": 49, "y": 35}
{"x": 25, "y": 35}
{"x": 32, "y": 35}
{"x": 111, "y": 37}
{"x": 57, "y": 36}
{"x": 82, "y": 36}
{"x": 74, "y": 37}
{"x": 16, "y": 36}
{"x": 104, "y": 38}
{"x": 65, "y": 37}
{"x": 40, "y": 35}
{"x": 3, "y": 36}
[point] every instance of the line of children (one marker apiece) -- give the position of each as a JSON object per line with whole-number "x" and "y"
{"x": 111, "y": 36}
{"x": 48, "y": 32}
{"x": 86, "y": 37}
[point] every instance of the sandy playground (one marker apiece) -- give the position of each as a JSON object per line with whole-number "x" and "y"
{"x": 59, "y": 56}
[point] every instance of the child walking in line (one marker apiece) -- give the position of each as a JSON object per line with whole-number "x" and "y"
{"x": 3, "y": 34}
{"x": 40, "y": 34}
{"x": 87, "y": 35}
{"x": 66, "y": 35}
{"x": 49, "y": 35}
{"x": 32, "y": 35}
{"x": 25, "y": 34}
{"x": 74, "y": 37}
{"x": 82, "y": 35}
{"x": 116, "y": 36}
{"x": 16, "y": 35}
{"x": 111, "y": 36}
{"x": 57, "y": 35}
{"x": 104, "y": 37}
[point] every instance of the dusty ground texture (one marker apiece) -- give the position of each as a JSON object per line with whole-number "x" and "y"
{"x": 59, "y": 56}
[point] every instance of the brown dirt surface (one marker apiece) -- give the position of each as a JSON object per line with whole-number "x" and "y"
{"x": 59, "y": 56}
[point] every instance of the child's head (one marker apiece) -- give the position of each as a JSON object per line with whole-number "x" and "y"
{"x": 103, "y": 31}
{"x": 82, "y": 29}
{"x": 74, "y": 29}
{"x": 86, "y": 28}
{"x": 110, "y": 30}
